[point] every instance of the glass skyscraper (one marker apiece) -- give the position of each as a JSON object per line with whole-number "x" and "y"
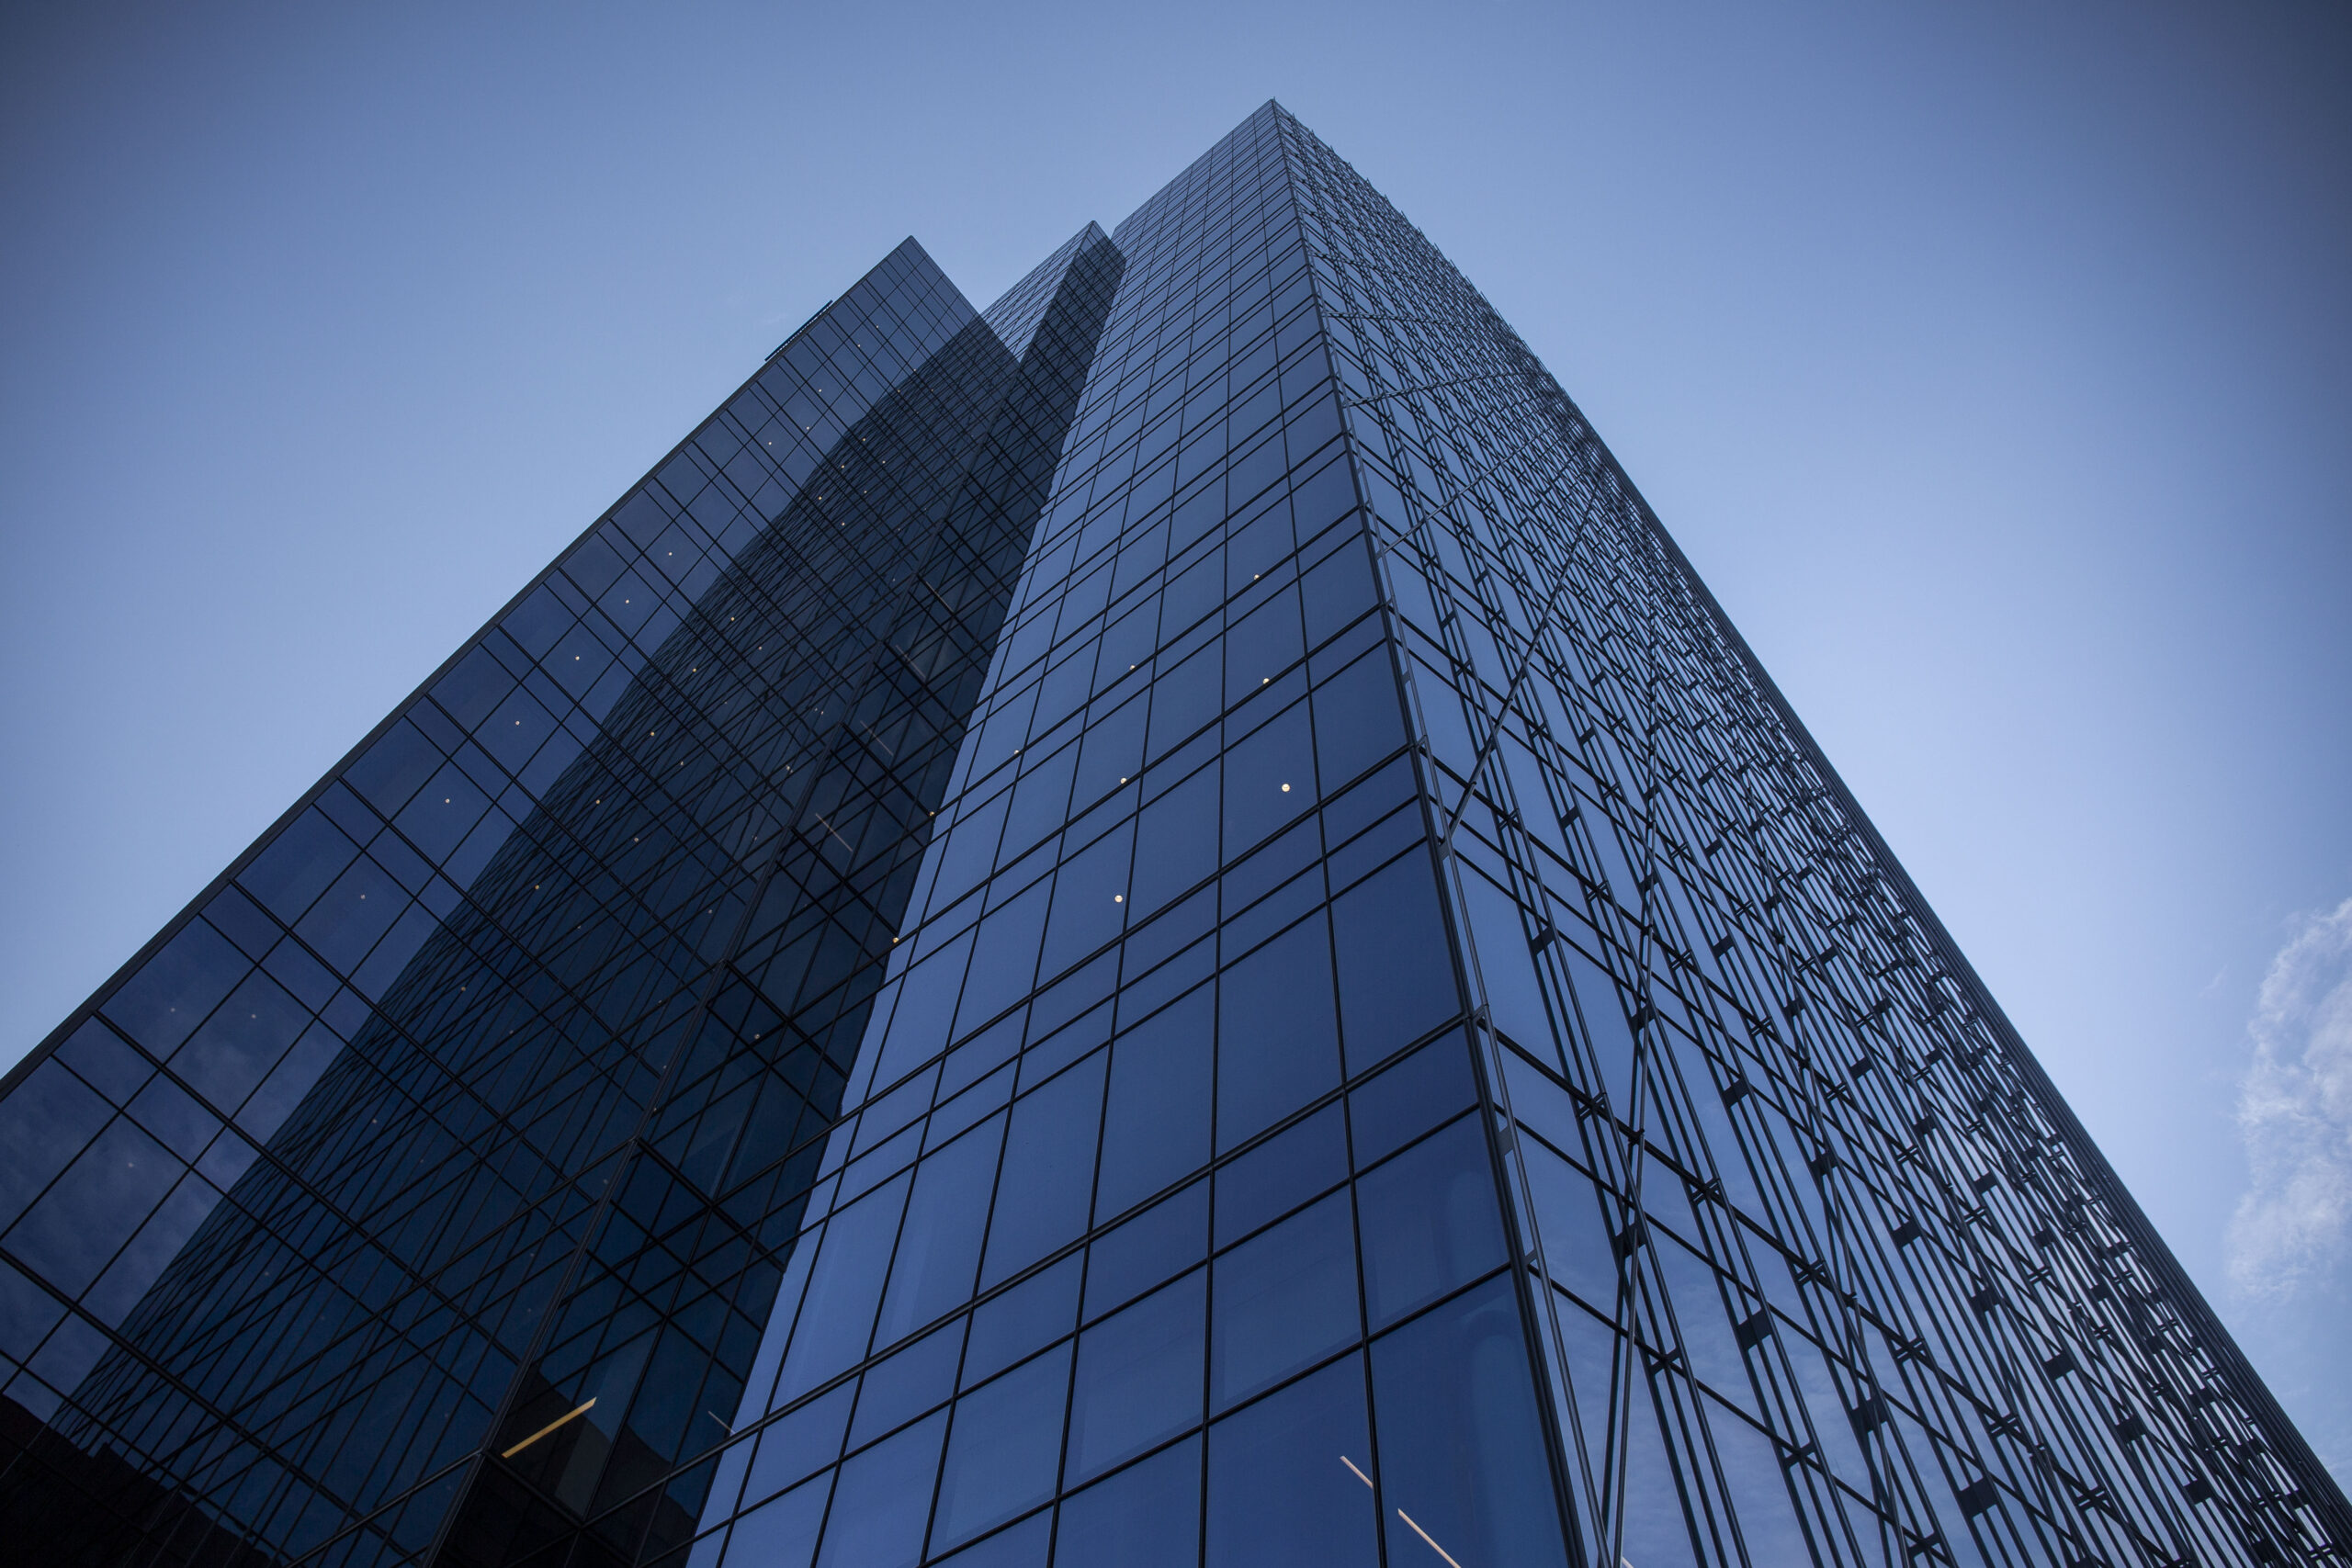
{"x": 1155, "y": 926}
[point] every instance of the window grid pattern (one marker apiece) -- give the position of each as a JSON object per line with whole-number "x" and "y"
{"x": 1165, "y": 1226}
{"x": 286, "y": 1203}
{"x": 711, "y": 1207}
{"x": 1834, "y": 1274}
{"x": 1158, "y": 927}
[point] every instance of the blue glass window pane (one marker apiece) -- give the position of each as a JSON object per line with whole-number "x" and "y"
{"x": 882, "y": 1502}
{"x": 969, "y": 848}
{"x": 1022, "y": 1546}
{"x": 1004, "y": 960}
{"x": 297, "y": 866}
{"x": 1358, "y": 719}
{"x": 1176, "y": 843}
{"x": 1700, "y": 1321}
{"x": 158, "y": 1241}
{"x": 1196, "y": 590}
{"x": 1069, "y": 1020}
{"x": 1376, "y": 818}
{"x": 296, "y": 1074}
{"x": 1112, "y": 752}
{"x": 1284, "y": 1299}
{"x": 388, "y": 772}
{"x": 1268, "y": 780}
{"x": 1004, "y": 1448}
{"x": 1324, "y": 494}
{"x": 940, "y": 1247}
{"x": 392, "y": 954}
{"x": 348, "y": 919}
{"x": 241, "y": 1042}
{"x": 1183, "y": 699}
{"x": 1576, "y": 1232}
{"x": 1089, "y": 905}
{"x": 27, "y": 1314}
{"x": 42, "y": 1127}
{"x": 1186, "y": 969}
{"x": 1127, "y": 644}
{"x": 844, "y": 1287}
{"x": 1157, "y": 1245}
{"x": 1281, "y": 1173}
{"x": 1049, "y": 1176}
{"x": 1460, "y": 1447}
{"x": 1338, "y": 590}
{"x": 239, "y": 918}
{"x": 104, "y": 1194}
{"x": 1408, "y": 1098}
{"x": 1279, "y": 1493}
{"x": 1285, "y": 905}
{"x": 1256, "y": 543}
{"x": 1032, "y": 1313}
{"x": 1249, "y": 881}
{"x": 1611, "y": 1036}
{"x": 174, "y": 990}
{"x": 1145, "y": 1517}
{"x": 1138, "y": 1377}
{"x": 783, "y": 1533}
{"x": 1040, "y": 801}
{"x": 1277, "y": 1045}
{"x": 908, "y": 1383}
{"x": 1261, "y": 645}
{"x": 100, "y": 1059}
{"x": 471, "y": 689}
{"x": 800, "y": 1443}
{"x": 1760, "y": 1498}
{"x": 1157, "y": 1125}
{"x": 1506, "y": 967}
{"x": 1395, "y": 963}
{"x": 1431, "y": 1221}
{"x": 443, "y": 813}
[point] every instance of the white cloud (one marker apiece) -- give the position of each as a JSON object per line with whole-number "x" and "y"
{"x": 2295, "y": 1113}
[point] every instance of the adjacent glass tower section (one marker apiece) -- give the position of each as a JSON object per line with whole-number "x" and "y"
{"x": 479, "y": 1100}
{"x": 1157, "y": 927}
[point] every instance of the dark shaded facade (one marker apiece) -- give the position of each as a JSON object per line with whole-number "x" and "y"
{"x": 494, "y": 1075}
{"x": 1156, "y": 926}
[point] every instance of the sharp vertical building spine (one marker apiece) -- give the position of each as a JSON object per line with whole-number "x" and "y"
{"x": 1158, "y": 926}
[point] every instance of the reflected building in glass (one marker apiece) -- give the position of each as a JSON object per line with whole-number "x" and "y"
{"x": 1156, "y": 926}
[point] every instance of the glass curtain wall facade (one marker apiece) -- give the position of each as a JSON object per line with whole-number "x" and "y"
{"x": 1159, "y": 927}
{"x": 486, "y": 1088}
{"x": 1818, "y": 1264}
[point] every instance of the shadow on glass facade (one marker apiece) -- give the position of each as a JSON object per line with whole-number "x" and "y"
{"x": 1159, "y": 927}
{"x": 494, "y": 1075}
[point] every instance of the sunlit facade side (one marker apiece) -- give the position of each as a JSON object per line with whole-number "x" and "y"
{"x": 1515, "y": 1113}
{"x": 1825, "y": 1269}
{"x": 1157, "y": 927}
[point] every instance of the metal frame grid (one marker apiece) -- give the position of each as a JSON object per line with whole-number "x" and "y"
{"x": 1834, "y": 1274}
{"x": 1159, "y": 929}
{"x": 398, "y": 1129}
{"x": 1163, "y": 1225}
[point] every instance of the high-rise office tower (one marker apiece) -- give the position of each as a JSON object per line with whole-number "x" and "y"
{"x": 1154, "y": 927}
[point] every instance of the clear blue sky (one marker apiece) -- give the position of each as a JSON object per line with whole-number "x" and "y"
{"x": 1992, "y": 362}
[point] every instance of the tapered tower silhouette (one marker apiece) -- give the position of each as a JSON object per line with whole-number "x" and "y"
{"x": 1157, "y": 926}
